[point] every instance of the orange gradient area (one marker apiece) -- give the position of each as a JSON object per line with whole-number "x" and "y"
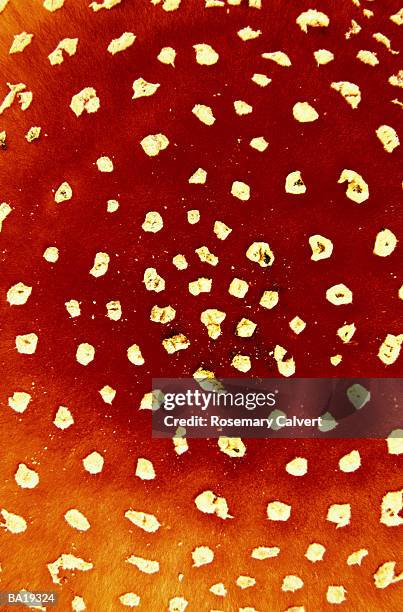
{"x": 67, "y": 149}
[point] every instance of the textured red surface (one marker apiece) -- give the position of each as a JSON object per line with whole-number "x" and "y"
{"x": 67, "y": 150}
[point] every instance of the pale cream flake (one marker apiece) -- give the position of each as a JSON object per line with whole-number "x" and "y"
{"x": 279, "y": 57}
{"x": 384, "y": 40}
{"x": 85, "y": 353}
{"x": 240, "y": 190}
{"x": 286, "y": 367}
{"x": 261, "y": 253}
{"x": 261, "y": 79}
{"x": 367, "y": 57}
{"x": 388, "y": 137}
{"x": 26, "y": 343}
{"x": 392, "y": 504}
{"x": 153, "y": 144}
{"x": 323, "y": 56}
{"x": 269, "y": 299}
{"x": 396, "y": 80}
{"x": 245, "y": 328}
{"x": 242, "y": 108}
{"x": 112, "y": 206}
{"x": 134, "y": 355}
{"x": 25, "y": 99}
{"x": 248, "y": 33}
{"x": 25, "y": 477}
{"x": 63, "y": 418}
{"x": 339, "y": 294}
{"x": 3, "y": 3}
{"x": 336, "y": 594}
{"x": 63, "y": 193}
{"x": 104, "y": 164}
{"x": 238, "y": 288}
{"x": 167, "y": 56}
{"x": 291, "y": 583}
{"x": 19, "y": 401}
{"x": 264, "y": 552}
{"x": 193, "y": 216}
{"x": 144, "y": 565}
{"x": 241, "y": 363}
{"x": 131, "y": 600}
{"x": 178, "y": 604}
{"x": 164, "y": 314}
{"x": 51, "y": 254}
{"x": 350, "y": 92}
{"x": 340, "y": 514}
{"x": 297, "y": 466}
{"x": 198, "y": 177}
{"x": 108, "y": 394}
{"x": 114, "y": 310}
{"x": 202, "y": 555}
{"x": 201, "y": 285}
{"x": 178, "y": 342}
{"x": 152, "y": 400}
{"x": 53, "y": 5}
{"x": 67, "y": 562}
{"x": 322, "y": 247}
{"x": 77, "y": 520}
{"x": 328, "y": 422}
{"x": 354, "y": 29}
{"x": 335, "y": 360}
{"x": 180, "y": 443}
{"x": 18, "y": 294}
{"x": 350, "y": 462}
{"x": 346, "y": 332}
{"x": 315, "y": 552}
{"x": 12, "y": 94}
{"x": 69, "y": 45}
{"x": 218, "y": 589}
{"x": 204, "y": 114}
{"x": 209, "y": 503}
{"x": 212, "y": 319}
{"x": 168, "y": 5}
{"x": 73, "y": 308}
{"x": 206, "y": 257}
{"x": 397, "y": 18}
{"x": 357, "y": 188}
{"x": 259, "y": 143}
{"x": 297, "y": 325}
{"x": 205, "y": 54}
{"x": 385, "y": 575}
{"x": 3, "y": 139}
{"x": 145, "y": 469}
{"x": 278, "y": 511}
{"x": 304, "y": 112}
{"x": 312, "y": 18}
{"x": 221, "y": 230}
{"x": 85, "y": 100}
{"x": 153, "y": 222}
{"x": 78, "y": 604}
{"x": 146, "y": 522}
{"x": 93, "y": 463}
{"x": 13, "y": 523}
{"x": 245, "y": 582}
{"x": 394, "y": 442}
{"x": 389, "y": 350}
{"x": 122, "y": 43}
{"x": 153, "y": 281}
{"x": 20, "y": 42}
{"x": 101, "y": 263}
{"x": 294, "y": 183}
{"x": 357, "y": 556}
{"x": 33, "y": 133}
{"x": 142, "y": 88}
{"x": 233, "y": 447}
{"x": 104, "y": 4}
